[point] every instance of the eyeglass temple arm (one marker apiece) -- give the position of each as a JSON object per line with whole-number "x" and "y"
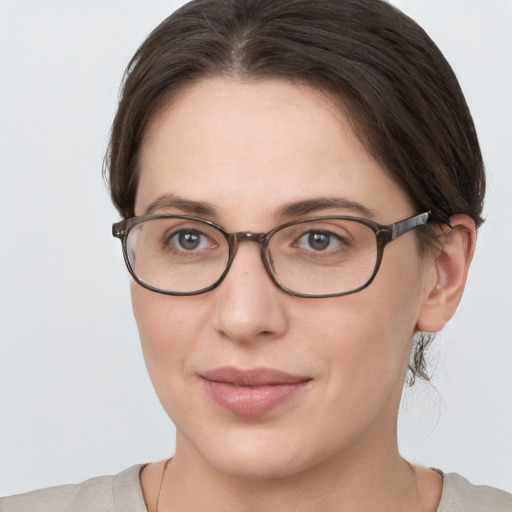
{"x": 118, "y": 229}
{"x": 402, "y": 227}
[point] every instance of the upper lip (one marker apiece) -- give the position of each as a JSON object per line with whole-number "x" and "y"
{"x": 252, "y": 376}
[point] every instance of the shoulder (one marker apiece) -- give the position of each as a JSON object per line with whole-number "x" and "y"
{"x": 460, "y": 495}
{"x": 117, "y": 493}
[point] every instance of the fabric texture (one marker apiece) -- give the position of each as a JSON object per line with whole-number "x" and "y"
{"x": 122, "y": 493}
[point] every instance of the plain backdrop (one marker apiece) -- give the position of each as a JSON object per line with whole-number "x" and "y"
{"x": 75, "y": 400}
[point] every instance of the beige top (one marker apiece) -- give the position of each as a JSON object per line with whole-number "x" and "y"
{"x": 122, "y": 493}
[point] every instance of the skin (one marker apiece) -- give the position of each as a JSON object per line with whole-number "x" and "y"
{"x": 246, "y": 149}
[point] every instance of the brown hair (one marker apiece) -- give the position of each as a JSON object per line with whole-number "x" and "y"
{"x": 387, "y": 75}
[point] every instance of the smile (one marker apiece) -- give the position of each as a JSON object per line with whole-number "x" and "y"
{"x": 251, "y": 392}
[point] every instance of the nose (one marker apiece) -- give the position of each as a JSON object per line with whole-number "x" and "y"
{"x": 249, "y": 305}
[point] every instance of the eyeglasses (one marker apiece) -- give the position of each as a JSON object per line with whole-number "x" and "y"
{"x": 314, "y": 257}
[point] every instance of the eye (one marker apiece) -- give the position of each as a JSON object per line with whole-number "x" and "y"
{"x": 189, "y": 240}
{"x": 319, "y": 240}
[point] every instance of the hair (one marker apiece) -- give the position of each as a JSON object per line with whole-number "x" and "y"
{"x": 382, "y": 69}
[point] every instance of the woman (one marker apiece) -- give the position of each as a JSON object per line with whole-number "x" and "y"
{"x": 335, "y": 136}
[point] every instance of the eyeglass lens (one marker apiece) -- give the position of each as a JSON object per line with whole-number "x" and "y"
{"x": 317, "y": 257}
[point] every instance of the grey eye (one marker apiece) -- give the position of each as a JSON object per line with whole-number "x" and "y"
{"x": 319, "y": 241}
{"x": 188, "y": 240}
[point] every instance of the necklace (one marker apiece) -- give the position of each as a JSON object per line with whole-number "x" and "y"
{"x": 415, "y": 475}
{"x": 161, "y": 483}
{"x": 411, "y": 467}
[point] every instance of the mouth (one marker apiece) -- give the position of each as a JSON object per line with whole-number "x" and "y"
{"x": 252, "y": 392}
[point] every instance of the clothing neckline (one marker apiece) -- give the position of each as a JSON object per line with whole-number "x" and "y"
{"x": 128, "y": 496}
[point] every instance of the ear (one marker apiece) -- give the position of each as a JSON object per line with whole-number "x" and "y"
{"x": 447, "y": 275}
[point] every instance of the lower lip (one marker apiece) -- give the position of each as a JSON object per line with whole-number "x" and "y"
{"x": 252, "y": 400}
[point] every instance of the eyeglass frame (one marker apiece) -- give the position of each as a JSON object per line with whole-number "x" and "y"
{"x": 384, "y": 234}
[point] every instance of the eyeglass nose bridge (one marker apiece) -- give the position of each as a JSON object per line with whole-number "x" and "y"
{"x": 246, "y": 236}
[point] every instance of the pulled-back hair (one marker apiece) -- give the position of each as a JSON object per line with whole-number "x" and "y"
{"x": 380, "y": 67}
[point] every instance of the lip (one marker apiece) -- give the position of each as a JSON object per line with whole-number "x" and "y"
{"x": 251, "y": 392}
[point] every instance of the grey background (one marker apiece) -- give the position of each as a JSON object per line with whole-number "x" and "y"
{"x": 75, "y": 400}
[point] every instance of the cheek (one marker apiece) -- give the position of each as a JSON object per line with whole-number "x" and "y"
{"x": 362, "y": 353}
{"x": 168, "y": 328}
{"x": 365, "y": 338}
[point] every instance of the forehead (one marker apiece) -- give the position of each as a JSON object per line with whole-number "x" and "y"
{"x": 252, "y": 146}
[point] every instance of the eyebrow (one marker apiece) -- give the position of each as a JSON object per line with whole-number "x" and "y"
{"x": 180, "y": 203}
{"x": 292, "y": 209}
{"x": 307, "y": 206}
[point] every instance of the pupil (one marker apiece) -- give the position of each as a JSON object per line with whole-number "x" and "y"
{"x": 189, "y": 240}
{"x": 318, "y": 241}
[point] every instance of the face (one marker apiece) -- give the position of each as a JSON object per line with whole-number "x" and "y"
{"x": 260, "y": 383}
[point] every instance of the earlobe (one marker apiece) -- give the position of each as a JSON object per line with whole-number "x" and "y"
{"x": 450, "y": 266}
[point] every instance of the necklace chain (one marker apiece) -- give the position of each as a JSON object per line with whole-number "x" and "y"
{"x": 161, "y": 483}
{"x": 411, "y": 467}
{"x": 415, "y": 475}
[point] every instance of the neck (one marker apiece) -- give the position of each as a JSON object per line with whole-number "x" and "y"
{"x": 382, "y": 481}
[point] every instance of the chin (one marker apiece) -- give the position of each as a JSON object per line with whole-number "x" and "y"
{"x": 255, "y": 466}
{"x": 261, "y": 454}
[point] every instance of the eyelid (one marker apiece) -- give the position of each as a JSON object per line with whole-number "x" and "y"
{"x": 206, "y": 241}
